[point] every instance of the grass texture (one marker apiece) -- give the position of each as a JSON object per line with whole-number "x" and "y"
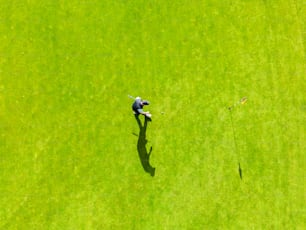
{"x": 69, "y": 140}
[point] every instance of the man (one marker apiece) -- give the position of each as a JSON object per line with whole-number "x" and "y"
{"x": 138, "y": 107}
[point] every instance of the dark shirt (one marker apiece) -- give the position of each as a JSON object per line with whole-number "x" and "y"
{"x": 137, "y": 106}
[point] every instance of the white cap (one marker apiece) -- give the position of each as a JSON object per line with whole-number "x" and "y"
{"x": 138, "y": 99}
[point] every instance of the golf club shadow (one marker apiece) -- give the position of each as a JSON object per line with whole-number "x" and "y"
{"x": 143, "y": 154}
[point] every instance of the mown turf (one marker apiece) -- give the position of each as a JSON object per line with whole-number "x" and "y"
{"x": 68, "y": 140}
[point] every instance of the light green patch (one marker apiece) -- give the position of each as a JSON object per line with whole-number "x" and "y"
{"x": 68, "y": 138}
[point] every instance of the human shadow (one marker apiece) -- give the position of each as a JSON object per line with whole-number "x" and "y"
{"x": 143, "y": 154}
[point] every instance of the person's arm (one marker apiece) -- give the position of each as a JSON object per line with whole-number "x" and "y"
{"x": 142, "y": 112}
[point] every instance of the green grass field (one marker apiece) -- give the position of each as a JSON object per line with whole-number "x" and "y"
{"x": 68, "y": 139}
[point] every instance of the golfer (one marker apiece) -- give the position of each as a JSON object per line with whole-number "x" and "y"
{"x": 138, "y": 107}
